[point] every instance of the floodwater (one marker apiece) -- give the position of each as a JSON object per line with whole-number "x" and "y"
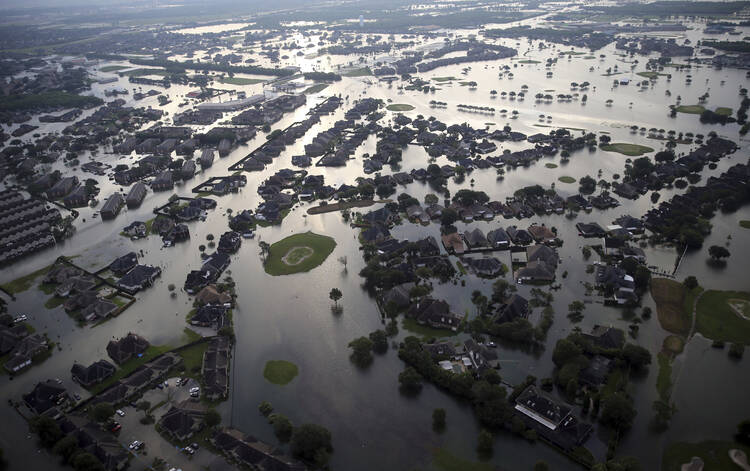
{"x": 375, "y": 427}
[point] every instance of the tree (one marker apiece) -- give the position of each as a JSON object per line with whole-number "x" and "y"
{"x": 361, "y": 351}
{"x": 265, "y": 408}
{"x": 410, "y": 380}
{"x": 636, "y": 356}
{"x": 501, "y": 289}
{"x": 265, "y": 249}
{"x": 438, "y": 419}
{"x": 48, "y": 430}
{"x": 430, "y": 199}
{"x": 335, "y": 295}
{"x": 282, "y": 427}
{"x": 67, "y": 448}
{"x": 717, "y": 252}
{"x": 690, "y": 282}
{"x": 212, "y": 418}
{"x": 312, "y": 444}
{"x": 565, "y": 351}
{"x": 448, "y": 216}
{"x": 102, "y": 411}
{"x": 485, "y": 442}
{"x": 617, "y": 411}
{"x": 87, "y": 462}
{"x": 743, "y": 432}
{"x": 379, "y": 341}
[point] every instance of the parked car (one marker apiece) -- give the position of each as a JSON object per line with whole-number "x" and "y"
{"x": 115, "y": 427}
{"x": 194, "y": 446}
{"x": 136, "y": 445}
{"x": 120, "y": 412}
{"x": 188, "y": 450}
{"x": 21, "y": 318}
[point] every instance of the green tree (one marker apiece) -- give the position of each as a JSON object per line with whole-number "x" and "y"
{"x": 48, "y": 430}
{"x": 690, "y": 282}
{"x": 636, "y": 356}
{"x": 335, "y": 295}
{"x": 282, "y": 427}
{"x": 212, "y": 418}
{"x": 410, "y": 380}
{"x": 312, "y": 444}
{"x": 438, "y": 419}
{"x": 87, "y": 462}
{"x": 485, "y": 442}
{"x": 617, "y": 411}
{"x": 361, "y": 351}
{"x": 379, "y": 341}
{"x": 448, "y": 216}
{"x": 565, "y": 351}
{"x": 717, "y": 252}
{"x": 66, "y": 448}
{"x": 265, "y": 408}
{"x": 102, "y": 411}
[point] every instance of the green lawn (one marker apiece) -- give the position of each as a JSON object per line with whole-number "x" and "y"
{"x": 424, "y": 331}
{"x": 550, "y": 165}
{"x": 567, "y": 179}
{"x": 192, "y": 358}
{"x": 690, "y": 109}
{"x": 649, "y": 75}
{"x": 53, "y": 302}
{"x": 315, "y": 88}
{"x": 724, "y": 111}
{"x": 280, "y": 372}
{"x": 669, "y": 296}
{"x": 113, "y": 68}
{"x": 444, "y": 460}
{"x": 626, "y": 149}
{"x": 129, "y": 366}
{"x": 240, "y": 81}
{"x": 144, "y": 71}
{"x": 529, "y": 61}
{"x": 399, "y": 107}
{"x": 443, "y": 79}
{"x": 745, "y": 223}
{"x": 362, "y": 72}
{"x": 715, "y": 455}
{"x": 716, "y": 320}
{"x": 664, "y": 379}
{"x": 19, "y": 285}
{"x": 321, "y": 246}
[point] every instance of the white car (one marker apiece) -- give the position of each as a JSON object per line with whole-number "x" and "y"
{"x": 195, "y": 389}
{"x": 136, "y": 445}
{"x": 188, "y": 450}
{"x": 120, "y": 412}
{"x": 21, "y": 318}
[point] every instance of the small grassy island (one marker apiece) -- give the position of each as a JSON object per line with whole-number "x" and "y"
{"x": 298, "y": 253}
{"x": 632, "y": 150}
{"x": 399, "y": 107}
{"x": 280, "y": 372}
{"x": 567, "y": 179}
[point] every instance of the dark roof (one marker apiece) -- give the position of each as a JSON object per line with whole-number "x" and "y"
{"x": 44, "y": 396}
{"x": 95, "y": 373}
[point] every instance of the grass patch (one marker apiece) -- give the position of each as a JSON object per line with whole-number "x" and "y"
{"x": 669, "y": 296}
{"x": 664, "y": 379}
{"x": 54, "y": 302}
{"x": 321, "y": 247}
{"x": 189, "y": 335}
{"x": 361, "y": 72}
{"x": 47, "y": 100}
{"x": 424, "y": 331}
{"x": 280, "y": 372}
{"x": 240, "y": 81}
{"x": 649, "y": 75}
{"x": 319, "y": 87}
{"x": 399, "y": 107}
{"x": 19, "y": 285}
{"x": 714, "y": 453}
{"x": 444, "y": 460}
{"x": 529, "y": 61}
{"x": 745, "y": 223}
{"x": 192, "y": 358}
{"x": 443, "y": 79}
{"x": 673, "y": 344}
{"x": 724, "y": 111}
{"x": 461, "y": 268}
{"x": 130, "y": 366}
{"x": 717, "y": 320}
{"x": 142, "y": 71}
{"x": 550, "y": 165}
{"x": 566, "y": 179}
{"x": 627, "y": 149}
{"x": 690, "y": 109}
{"x": 113, "y": 68}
